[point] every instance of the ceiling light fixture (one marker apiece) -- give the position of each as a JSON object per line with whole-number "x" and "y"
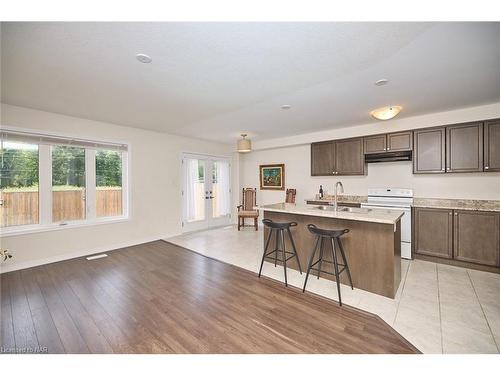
{"x": 386, "y": 113}
{"x": 244, "y": 145}
{"x": 145, "y": 59}
{"x": 286, "y": 106}
{"x": 381, "y": 82}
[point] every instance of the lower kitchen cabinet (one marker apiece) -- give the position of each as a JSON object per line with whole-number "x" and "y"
{"x": 477, "y": 237}
{"x": 433, "y": 232}
{"x": 461, "y": 235}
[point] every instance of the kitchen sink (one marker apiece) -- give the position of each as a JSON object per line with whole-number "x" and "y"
{"x": 356, "y": 210}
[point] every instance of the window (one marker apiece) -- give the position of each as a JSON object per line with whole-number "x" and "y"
{"x": 68, "y": 183}
{"x": 48, "y": 181}
{"x": 18, "y": 184}
{"x": 108, "y": 167}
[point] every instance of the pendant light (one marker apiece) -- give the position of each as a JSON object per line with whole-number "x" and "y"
{"x": 244, "y": 145}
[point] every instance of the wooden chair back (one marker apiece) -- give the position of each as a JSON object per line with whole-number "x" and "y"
{"x": 249, "y": 199}
{"x": 290, "y": 195}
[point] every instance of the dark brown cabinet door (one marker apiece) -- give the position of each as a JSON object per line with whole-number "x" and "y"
{"x": 433, "y": 232}
{"x": 429, "y": 150}
{"x": 400, "y": 141}
{"x": 464, "y": 148}
{"x": 349, "y": 158}
{"x": 322, "y": 158}
{"x": 477, "y": 237}
{"x": 375, "y": 144}
{"x": 492, "y": 146}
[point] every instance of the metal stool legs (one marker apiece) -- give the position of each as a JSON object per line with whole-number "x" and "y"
{"x": 311, "y": 258}
{"x": 344, "y": 259}
{"x": 280, "y": 248}
{"x": 335, "y": 244}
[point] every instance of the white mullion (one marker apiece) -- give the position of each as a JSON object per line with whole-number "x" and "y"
{"x": 125, "y": 181}
{"x": 45, "y": 184}
{"x": 90, "y": 184}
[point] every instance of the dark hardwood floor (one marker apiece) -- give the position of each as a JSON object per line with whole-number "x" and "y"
{"x": 160, "y": 298}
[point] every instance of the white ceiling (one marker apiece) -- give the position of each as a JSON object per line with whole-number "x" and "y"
{"x": 216, "y": 80}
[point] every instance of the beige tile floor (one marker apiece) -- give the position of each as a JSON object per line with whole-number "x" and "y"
{"x": 438, "y": 308}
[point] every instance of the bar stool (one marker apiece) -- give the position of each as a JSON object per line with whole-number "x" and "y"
{"x": 279, "y": 230}
{"x": 333, "y": 236}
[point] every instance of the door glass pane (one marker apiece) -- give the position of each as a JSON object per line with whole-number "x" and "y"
{"x": 68, "y": 183}
{"x": 18, "y": 184}
{"x": 108, "y": 167}
{"x": 194, "y": 194}
{"x": 220, "y": 189}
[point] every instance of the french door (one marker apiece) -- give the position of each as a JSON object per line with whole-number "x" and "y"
{"x": 206, "y": 192}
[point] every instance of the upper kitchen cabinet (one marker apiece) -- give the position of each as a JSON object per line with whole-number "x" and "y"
{"x": 477, "y": 237}
{"x": 429, "y": 152}
{"x": 402, "y": 141}
{"x": 492, "y": 146}
{"x": 375, "y": 144}
{"x": 349, "y": 158}
{"x": 322, "y": 158}
{"x": 393, "y": 142}
{"x": 464, "y": 147}
{"x": 341, "y": 157}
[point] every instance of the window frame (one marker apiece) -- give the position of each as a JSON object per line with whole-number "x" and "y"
{"x": 45, "y": 222}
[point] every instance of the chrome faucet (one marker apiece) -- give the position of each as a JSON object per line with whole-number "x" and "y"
{"x": 337, "y": 184}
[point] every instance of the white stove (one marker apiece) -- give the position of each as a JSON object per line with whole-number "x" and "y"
{"x": 395, "y": 199}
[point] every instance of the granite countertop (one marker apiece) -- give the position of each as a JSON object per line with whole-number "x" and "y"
{"x": 374, "y": 215}
{"x": 457, "y": 204}
{"x": 342, "y": 199}
{"x": 450, "y": 204}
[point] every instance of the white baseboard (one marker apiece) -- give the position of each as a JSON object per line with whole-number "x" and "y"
{"x": 6, "y": 267}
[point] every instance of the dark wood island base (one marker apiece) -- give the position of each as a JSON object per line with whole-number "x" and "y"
{"x": 373, "y": 250}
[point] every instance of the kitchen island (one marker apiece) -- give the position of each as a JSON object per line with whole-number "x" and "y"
{"x": 372, "y": 246}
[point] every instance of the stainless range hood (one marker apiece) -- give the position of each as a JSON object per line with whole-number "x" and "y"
{"x": 388, "y": 156}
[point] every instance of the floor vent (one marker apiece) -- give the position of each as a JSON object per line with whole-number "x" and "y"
{"x": 97, "y": 256}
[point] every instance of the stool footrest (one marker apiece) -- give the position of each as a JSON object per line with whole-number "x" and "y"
{"x": 327, "y": 261}
{"x": 279, "y": 259}
{"x": 328, "y": 273}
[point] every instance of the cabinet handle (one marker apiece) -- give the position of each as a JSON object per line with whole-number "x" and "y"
{"x": 486, "y": 167}
{"x": 388, "y": 148}
{"x": 456, "y": 214}
{"x": 442, "y": 169}
{"x": 449, "y": 213}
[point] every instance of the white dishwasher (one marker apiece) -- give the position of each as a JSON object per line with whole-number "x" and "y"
{"x": 395, "y": 199}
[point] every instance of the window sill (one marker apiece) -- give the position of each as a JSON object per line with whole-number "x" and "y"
{"x": 37, "y": 228}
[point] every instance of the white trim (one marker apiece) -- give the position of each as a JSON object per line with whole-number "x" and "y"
{"x": 44, "y": 186}
{"x": 34, "y": 136}
{"x": 37, "y": 228}
{"x": 57, "y": 258}
{"x": 126, "y": 180}
{"x": 90, "y": 185}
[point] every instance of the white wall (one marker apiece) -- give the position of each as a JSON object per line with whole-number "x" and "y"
{"x": 155, "y": 183}
{"x": 296, "y": 157}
